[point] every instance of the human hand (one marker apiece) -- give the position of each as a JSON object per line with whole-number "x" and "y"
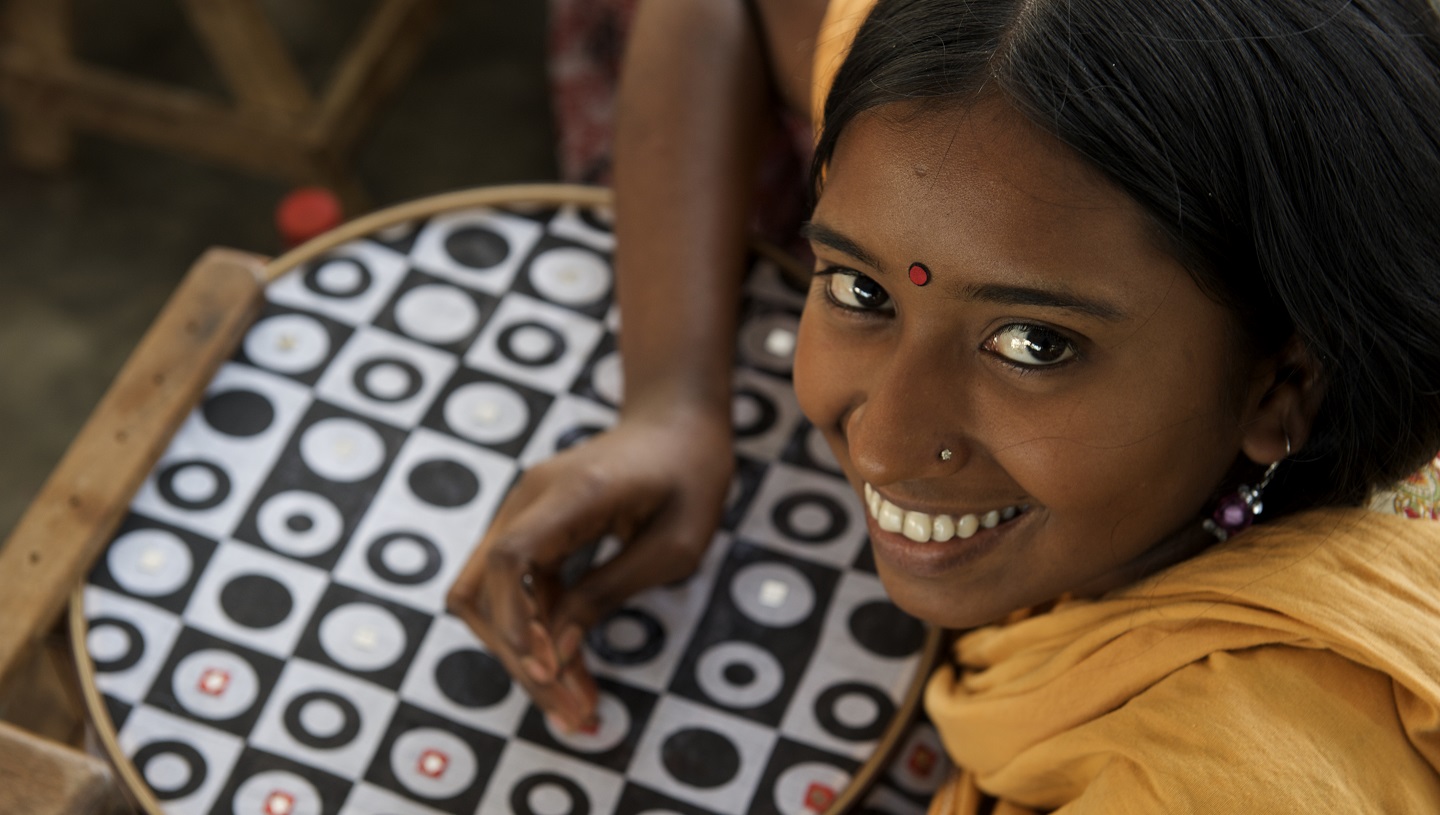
{"x": 657, "y": 485}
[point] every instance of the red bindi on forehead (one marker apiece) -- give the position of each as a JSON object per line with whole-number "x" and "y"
{"x": 919, "y": 275}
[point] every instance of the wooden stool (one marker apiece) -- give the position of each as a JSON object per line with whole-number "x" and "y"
{"x": 272, "y": 127}
{"x": 57, "y": 539}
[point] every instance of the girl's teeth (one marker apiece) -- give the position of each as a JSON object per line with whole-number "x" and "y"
{"x": 917, "y": 526}
{"x": 921, "y": 526}
{"x": 891, "y": 517}
{"x": 943, "y": 529}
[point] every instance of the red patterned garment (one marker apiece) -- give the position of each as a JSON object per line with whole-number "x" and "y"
{"x": 585, "y": 50}
{"x": 1416, "y": 497}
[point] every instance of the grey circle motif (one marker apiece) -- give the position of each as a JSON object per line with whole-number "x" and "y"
{"x": 773, "y": 594}
{"x": 546, "y": 793}
{"x": 300, "y": 524}
{"x": 531, "y": 344}
{"x": 172, "y": 769}
{"x": 195, "y": 485}
{"x": 337, "y": 277}
{"x": 739, "y": 675}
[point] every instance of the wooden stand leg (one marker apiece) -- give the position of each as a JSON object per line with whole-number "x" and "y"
{"x": 39, "y": 777}
{"x": 40, "y": 138}
{"x": 250, "y": 55}
{"x": 43, "y": 697}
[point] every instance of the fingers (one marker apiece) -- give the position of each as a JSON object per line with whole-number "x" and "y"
{"x": 666, "y": 551}
{"x": 608, "y": 486}
{"x": 507, "y": 588}
{"x": 565, "y": 693}
{"x": 530, "y": 537}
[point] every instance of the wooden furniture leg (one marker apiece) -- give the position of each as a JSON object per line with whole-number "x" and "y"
{"x": 272, "y": 126}
{"x": 250, "y": 55}
{"x": 40, "y": 138}
{"x": 39, "y": 777}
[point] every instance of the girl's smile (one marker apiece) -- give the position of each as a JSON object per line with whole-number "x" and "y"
{"x": 1087, "y": 396}
{"x": 930, "y": 544}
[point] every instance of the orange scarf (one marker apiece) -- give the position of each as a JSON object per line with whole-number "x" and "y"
{"x": 1295, "y": 668}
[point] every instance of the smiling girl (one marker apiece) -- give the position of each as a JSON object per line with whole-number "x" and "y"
{"x": 1098, "y": 284}
{"x": 1083, "y": 269}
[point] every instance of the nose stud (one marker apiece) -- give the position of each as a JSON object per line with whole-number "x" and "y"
{"x": 919, "y": 275}
{"x": 945, "y": 454}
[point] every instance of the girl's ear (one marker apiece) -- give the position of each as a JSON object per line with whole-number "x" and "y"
{"x": 1284, "y": 395}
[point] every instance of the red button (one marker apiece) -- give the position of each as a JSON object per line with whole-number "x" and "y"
{"x": 307, "y": 212}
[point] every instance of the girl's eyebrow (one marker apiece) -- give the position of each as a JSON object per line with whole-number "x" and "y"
{"x": 819, "y": 233}
{"x": 1044, "y": 298}
{"x": 1006, "y": 295}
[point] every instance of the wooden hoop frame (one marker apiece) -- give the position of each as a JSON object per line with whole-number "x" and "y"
{"x": 501, "y": 196}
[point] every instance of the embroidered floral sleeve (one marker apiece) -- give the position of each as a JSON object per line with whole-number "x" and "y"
{"x": 1416, "y": 497}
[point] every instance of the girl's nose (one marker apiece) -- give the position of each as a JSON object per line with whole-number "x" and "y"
{"x": 903, "y": 425}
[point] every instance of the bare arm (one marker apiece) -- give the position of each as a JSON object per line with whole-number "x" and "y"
{"x": 694, "y": 112}
{"x": 692, "y": 116}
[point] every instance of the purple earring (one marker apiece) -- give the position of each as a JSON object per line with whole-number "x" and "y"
{"x": 1236, "y": 511}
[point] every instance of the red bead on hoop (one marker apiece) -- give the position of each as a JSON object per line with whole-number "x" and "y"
{"x": 919, "y": 275}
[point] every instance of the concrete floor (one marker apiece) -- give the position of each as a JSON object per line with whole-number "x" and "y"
{"x": 88, "y": 255}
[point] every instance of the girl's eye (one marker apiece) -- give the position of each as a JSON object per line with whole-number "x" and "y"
{"x": 855, "y": 290}
{"x": 1031, "y": 346}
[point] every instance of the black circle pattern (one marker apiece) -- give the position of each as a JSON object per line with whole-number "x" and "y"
{"x": 520, "y": 795}
{"x": 315, "y": 283}
{"x": 477, "y": 247}
{"x": 165, "y": 483}
{"x": 444, "y": 483}
{"x": 375, "y": 556}
{"x": 295, "y": 723}
{"x": 648, "y": 649}
{"x": 886, "y": 630}
{"x": 472, "y": 679}
{"x": 414, "y": 379}
{"x": 783, "y": 517}
{"x": 700, "y": 758}
{"x": 133, "y": 652}
{"x": 506, "y": 343}
{"x": 180, "y": 750}
{"x": 765, "y": 413}
{"x": 256, "y": 601}
{"x": 240, "y": 413}
{"x": 738, "y": 674}
{"x": 825, "y": 712}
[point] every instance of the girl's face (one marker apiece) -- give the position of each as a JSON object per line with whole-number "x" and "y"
{"x": 1090, "y": 396}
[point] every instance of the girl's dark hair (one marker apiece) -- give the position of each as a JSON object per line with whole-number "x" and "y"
{"x": 1287, "y": 150}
